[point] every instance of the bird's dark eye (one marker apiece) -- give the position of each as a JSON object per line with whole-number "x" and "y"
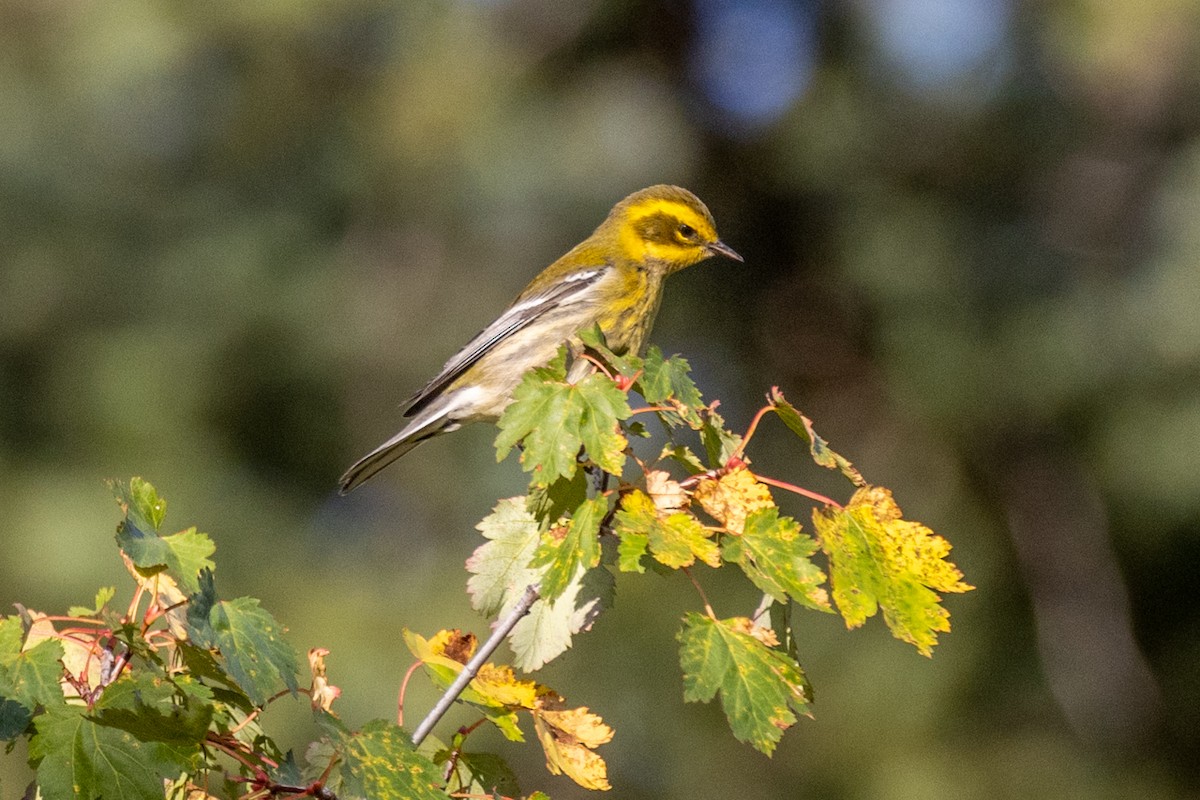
{"x": 687, "y": 231}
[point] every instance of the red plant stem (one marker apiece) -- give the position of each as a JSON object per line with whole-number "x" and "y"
{"x": 599, "y": 365}
{"x": 650, "y": 410}
{"x": 403, "y": 689}
{"x": 741, "y": 448}
{"x": 811, "y": 495}
{"x": 77, "y": 620}
{"x": 133, "y": 604}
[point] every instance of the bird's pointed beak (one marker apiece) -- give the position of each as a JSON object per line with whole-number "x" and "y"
{"x": 719, "y": 248}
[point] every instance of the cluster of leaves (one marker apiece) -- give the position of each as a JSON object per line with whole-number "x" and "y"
{"x": 165, "y": 696}
{"x": 593, "y": 508}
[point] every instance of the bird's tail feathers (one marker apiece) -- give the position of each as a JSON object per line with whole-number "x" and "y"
{"x": 425, "y": 426}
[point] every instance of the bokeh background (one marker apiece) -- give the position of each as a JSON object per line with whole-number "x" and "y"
{"x": 233, "y": 236}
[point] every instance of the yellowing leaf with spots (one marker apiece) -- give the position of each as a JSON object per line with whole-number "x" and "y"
{"x": 495, "y": 690}
{"x": 880, "y": 560}
{"x": 675, "y": 540}
{"x": 733, "y": 497}
{"x": 380, "y": 763}
{"x": 569, "y": 737}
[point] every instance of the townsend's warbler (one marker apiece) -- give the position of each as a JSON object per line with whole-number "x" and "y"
{"x": 613, "y": 278}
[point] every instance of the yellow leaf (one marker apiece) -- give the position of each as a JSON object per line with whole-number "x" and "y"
{"x": 454, "y": 644}
{"x": 568, "y": 737}
{"x": 500, "y": 684}
{"x": 880, "y": 560}
{"x": 733, "y": 497}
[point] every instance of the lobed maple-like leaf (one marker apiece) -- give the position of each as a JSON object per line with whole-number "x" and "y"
{"x": 665, "y": 381}
{"x": 802, "y": 426}
{"x": 248, "y": 639}
{"x": 880, "y": 560}
{"x": 546, "y": 631}
{"x": 500, "y": 566}
{"x": 761, "y": 688}
{"x": 495, "y": 690}
{"x": 719, "y": 442}
{"x": 184, "y": 554}
{"x": 154, "y": 709}
{"x": 774, "y": 554}
{"x": 501, "y": 572}
{"x": 80, "y": 759}
{"x": 33, "y": 677}
{"x": 566, "y": 549}
{"x": 569, "y": 737}
{"x": 482, "y": 774}
{"x": 730, "y": 498}
{"x": 553, "y": 419}
{"x": 381, "y": 764}
{"x": 674, "y": 540}
{"x": 103, "y": 595}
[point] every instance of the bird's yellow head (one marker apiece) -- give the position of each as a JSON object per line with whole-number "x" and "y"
{"x": 667, "y": 226}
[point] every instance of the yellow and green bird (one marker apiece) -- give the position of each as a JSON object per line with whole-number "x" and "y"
{"x": 613, "y": 278}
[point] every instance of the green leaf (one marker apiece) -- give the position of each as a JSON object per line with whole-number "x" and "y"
{"x": 78, "y": 758}
{"x": 500, "y": 575}
{"x": 142, "y": 506}
{"x": 554, "y": 419}
{"x": 560, "y": 556}
{"x": 719, "y": 443}
{"x": 484, "y": 774}
{"x": 774, "y": 554}
{"x": 880, "y": 560}
{"x": 381, "y": 764}
{"x": 666, "y": 379}
{"x": 202, "y": 665}
{"x": 189, "y": 556}
{"x": 761, "y": 688}
{"x": 14, "y": 718}
{"x": 802, "y": 426}
{"x": 545, "y": 632}
{"x": 603, "y": 406}
{"x": 153, "y": 710}
{"x": 551, "y": 503}
{"x": 593, "y": 339}
{"x": 630, "y": 549}
{"x": 249, "y": 640}
{"x": 12, "y": 636}
{"x": 675, "y": 540}
{"x": 684, "y": 456}
{"x": 500, "y": 566}
{"x": 185, "y": 554}
{"x": 32, "y": 677}
{"x": 103, "y": 595}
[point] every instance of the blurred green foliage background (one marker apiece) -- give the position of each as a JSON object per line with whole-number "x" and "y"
{"x": 233, "y": 236}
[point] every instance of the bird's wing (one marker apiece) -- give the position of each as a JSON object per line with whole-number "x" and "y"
{"x": 517, "y": 316}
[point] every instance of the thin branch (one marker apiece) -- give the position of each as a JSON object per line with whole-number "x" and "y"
{"x": 472, "y": 667}
{"x": 708, "y": 609}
